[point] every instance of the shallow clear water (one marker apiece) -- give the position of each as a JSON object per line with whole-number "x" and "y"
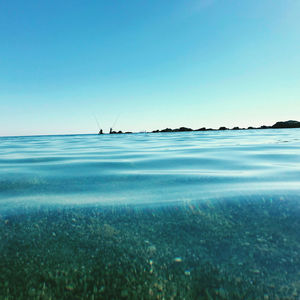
{"x": 196, "y": 215}
{"x": 147, "y": 168}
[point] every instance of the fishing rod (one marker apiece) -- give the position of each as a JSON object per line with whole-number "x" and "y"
{"x": 115, "y": 122}
{"x": 100, "y": 130}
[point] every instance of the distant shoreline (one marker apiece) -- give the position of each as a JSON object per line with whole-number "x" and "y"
{"x": 278, "y": 125}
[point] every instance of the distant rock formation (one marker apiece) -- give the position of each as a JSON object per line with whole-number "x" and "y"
{"x": 167, "y": 130}
{"x": 287, "y": 124}
{"x": 278, "y": 125}
{"x": 182, "y": 129}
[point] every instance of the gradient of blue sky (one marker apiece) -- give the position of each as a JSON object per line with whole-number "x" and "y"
{"x": 156, "y": 63}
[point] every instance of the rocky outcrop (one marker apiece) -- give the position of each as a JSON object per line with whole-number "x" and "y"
{"x": 287, "y": 124}
{"x": 182, "y": 129}
{"x": 167, "y": 130}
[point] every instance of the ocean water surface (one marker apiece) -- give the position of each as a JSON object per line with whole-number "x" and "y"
{"x": 194, "y": 215}
{"x": 147, "y": 168}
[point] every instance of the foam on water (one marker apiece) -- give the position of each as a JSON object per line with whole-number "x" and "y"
{"x": 147, "y": 168}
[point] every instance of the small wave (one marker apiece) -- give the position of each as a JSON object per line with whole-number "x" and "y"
{"x": 141, "y": 168}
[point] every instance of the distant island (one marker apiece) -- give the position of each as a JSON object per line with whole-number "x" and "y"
{"x": 277, "y": 125}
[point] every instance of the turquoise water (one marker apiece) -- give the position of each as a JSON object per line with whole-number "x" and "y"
{"x": 147, "y": 168}
{"x": 194, "y": 215}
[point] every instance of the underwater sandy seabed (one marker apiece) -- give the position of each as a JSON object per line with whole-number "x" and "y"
{"x": 233, "y": 249}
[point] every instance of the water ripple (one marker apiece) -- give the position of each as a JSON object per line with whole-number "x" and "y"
{"x": 150, "y": 168}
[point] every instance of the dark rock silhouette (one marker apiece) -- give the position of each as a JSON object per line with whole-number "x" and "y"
{"x": 166, "y": 130}
{"x": 287, "y": 124}
{"x": 281, "y": 124}
{"x": 182, "y": 129}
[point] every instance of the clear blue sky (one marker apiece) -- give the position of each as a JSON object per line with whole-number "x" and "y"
{"x": 155, "y": 63}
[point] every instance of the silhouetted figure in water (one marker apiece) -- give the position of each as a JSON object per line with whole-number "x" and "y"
{"x": 101, "y": 131}
{"x": 110, "y": 131}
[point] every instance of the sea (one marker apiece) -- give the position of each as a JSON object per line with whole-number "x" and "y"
{"x": 185, "y": 215}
